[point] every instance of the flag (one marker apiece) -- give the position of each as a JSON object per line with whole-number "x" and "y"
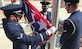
{"x": 38, "y": 23}
{"x": 13, "y": 1}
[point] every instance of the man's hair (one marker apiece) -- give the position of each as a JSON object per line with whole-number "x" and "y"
{"x": 7, "y": 14}
{"x": 75, "y": 5}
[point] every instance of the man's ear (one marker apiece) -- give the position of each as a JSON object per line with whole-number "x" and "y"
{"x": 12, "y": 17}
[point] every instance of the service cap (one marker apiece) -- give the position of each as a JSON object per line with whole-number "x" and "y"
{"x": 71, "y": 1}
{"x": 12, "y": 9}
{"x": 45, "y": 4}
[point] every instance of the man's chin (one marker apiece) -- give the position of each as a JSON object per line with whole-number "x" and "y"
{"x": 68, "y": 12}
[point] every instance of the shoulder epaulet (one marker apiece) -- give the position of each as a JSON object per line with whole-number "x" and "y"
{"x": 70, "y": 22}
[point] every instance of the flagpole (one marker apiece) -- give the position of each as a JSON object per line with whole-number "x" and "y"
{"x": 1, "y": 2}
{"x": 55, "y": 8}
{"x": 20, "y": 1}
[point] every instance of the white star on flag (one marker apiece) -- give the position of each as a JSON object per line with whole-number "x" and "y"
{"x": 42, "y": 25}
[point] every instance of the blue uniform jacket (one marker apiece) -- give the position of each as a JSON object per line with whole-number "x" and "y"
{"x": 70, "y": 38}
{"x": 16, "y": 34}
{"x": 48, "y": 16}
{"x": 13, "y": 31}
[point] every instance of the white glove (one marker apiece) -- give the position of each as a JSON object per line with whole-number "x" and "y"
{"x": 51, "y": 30}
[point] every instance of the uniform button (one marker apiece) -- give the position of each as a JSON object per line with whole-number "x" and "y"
{"x": 65, "y": 31}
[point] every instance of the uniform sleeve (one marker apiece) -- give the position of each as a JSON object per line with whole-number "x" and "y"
{"x": 14, "y": 31}
{"x": 49, "y": 17}
{"x": 68, "y": 31}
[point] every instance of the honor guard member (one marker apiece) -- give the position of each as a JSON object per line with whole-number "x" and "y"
{"x": 15, "y": 32}
{"x": 45, "y": 12}
{"x": 70, "y": 38}
{"x": 47, "y": 15}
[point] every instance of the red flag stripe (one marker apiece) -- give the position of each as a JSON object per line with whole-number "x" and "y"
{"x": 38, "y": 16}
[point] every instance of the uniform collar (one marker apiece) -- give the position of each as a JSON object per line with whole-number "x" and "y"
{"x": 74, "y": 11}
